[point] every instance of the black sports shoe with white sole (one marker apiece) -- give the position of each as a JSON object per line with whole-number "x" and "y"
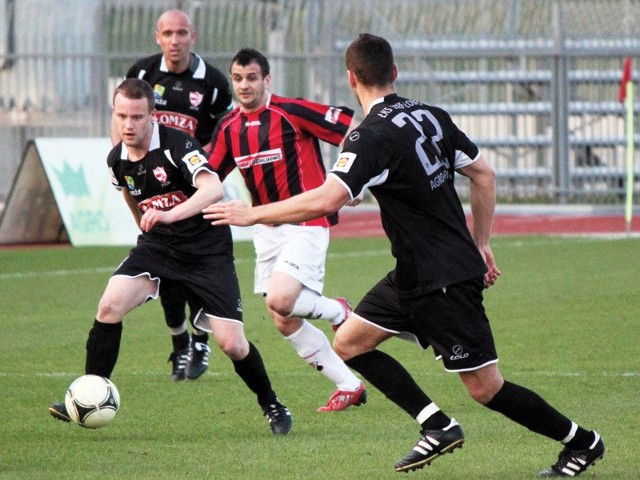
{"x": 431, "y": 445}
{"x": 572, "y": 463}
{"x": 59, "y": 412}
{"x": 179, "y": 360}
{"x": 198, "y": 360}
{"x": 279, "y": 418}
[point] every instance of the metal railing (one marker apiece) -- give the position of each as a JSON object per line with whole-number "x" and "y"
{"x": 533, "y": 82}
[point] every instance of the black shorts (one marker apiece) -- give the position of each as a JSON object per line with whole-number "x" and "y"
{"x": 209, "y": 281}
{"x": 452, "y": 321}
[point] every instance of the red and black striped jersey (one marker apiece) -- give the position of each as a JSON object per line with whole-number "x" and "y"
{"x": 277, "y": 148}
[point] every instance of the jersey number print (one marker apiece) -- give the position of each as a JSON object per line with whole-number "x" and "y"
{"x": 426, "y": 147}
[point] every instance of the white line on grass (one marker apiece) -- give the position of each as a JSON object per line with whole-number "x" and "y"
{"x": 517, "y": 243}
{"x": 91, "y": 271}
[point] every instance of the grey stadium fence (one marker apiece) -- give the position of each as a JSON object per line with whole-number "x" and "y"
{"x": 533, "y": 82}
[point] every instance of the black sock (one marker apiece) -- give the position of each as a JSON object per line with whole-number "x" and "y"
{"x": 387, "y": 374}
{"x": 251, "y": 369}
{"x": 199, "y": 336}
{"x": 180, "y": 341}
{"x": 103, "y": 347}
{"x": 529, "y": 410}
{"x": 582, "y": 440}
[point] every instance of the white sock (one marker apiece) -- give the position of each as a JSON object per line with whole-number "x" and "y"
{"x": 426, "y": 412}
{"x": 313, "y": 346}
{"x": 313, "y": 306}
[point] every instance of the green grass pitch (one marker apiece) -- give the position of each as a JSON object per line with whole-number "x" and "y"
{"x": 565, "y": 313}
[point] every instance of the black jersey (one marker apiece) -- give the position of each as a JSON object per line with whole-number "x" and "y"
{"x": 191, "y": 101}
{"x": 165, "y": 178}
{"x": 406, "y": 152}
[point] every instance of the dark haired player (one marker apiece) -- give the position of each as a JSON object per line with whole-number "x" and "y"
{"x": 275, "y": 143}
{"x": 408, "y": 153}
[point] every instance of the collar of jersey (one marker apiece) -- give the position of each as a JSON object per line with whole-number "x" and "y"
{"x": 196, "y": 66}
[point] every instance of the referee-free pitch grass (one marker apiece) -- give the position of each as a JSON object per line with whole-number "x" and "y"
{"x": 565, "y": 312}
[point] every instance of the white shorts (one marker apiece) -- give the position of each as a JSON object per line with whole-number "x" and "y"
{"x": 291, "y": 249}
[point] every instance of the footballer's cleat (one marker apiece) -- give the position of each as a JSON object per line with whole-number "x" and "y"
{"x": 180, "y": 360}
{"x": 572, "y": 463}
{"x": 431, "y": 445}
{"x": 59, "y": 412}
{"x": 198, "y": 360}
{"x": 279, "y": 417}
{"x": 347, "y": 311}
{"x": 342, "y": 399}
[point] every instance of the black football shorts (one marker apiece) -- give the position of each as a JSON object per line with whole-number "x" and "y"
{"x": 209, "y": 281}
{"x": 451, "y": 320}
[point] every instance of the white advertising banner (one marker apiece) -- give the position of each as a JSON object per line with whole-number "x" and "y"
{"x": 91, "y": 210}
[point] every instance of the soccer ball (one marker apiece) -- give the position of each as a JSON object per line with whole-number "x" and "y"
{"x": 92, "y": 401}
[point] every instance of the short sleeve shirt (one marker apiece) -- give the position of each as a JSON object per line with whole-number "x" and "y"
{"x": 406, "y": 152}
{"x": 191, "y": 101}
{"x": 164, "y": 178}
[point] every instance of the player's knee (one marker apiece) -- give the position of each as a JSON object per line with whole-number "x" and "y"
{"x": 482, "y": 391}
{"x": 236, "y": 348}
{"x": 346, "y": 347}
{"x": 109, "y": 310}
{"x": 280, "y": 304}
{"x": 286, "y": 325}
{"x": 481, "y": 395}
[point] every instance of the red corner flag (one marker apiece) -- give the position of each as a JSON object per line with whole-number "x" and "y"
{"x": 626, "y": 77}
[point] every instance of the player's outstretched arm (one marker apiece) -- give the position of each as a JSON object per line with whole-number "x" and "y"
{"x": 319, "y": 202}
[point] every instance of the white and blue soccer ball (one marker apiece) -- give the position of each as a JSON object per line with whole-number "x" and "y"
{"x": 92, "y": 401}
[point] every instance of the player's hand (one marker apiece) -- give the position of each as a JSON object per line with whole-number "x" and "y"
{"x": 151, "y": 217}
{"x": 493, "y": 272}
{"x": 234, "y": 212}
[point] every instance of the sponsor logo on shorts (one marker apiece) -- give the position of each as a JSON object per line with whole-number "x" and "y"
{"x": 458, "y": 353}
{"x": 292, "y": 265}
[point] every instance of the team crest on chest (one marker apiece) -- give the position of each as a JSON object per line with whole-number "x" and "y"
{"x": 160, "y": 174}
{"x": 195, "y": 98}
